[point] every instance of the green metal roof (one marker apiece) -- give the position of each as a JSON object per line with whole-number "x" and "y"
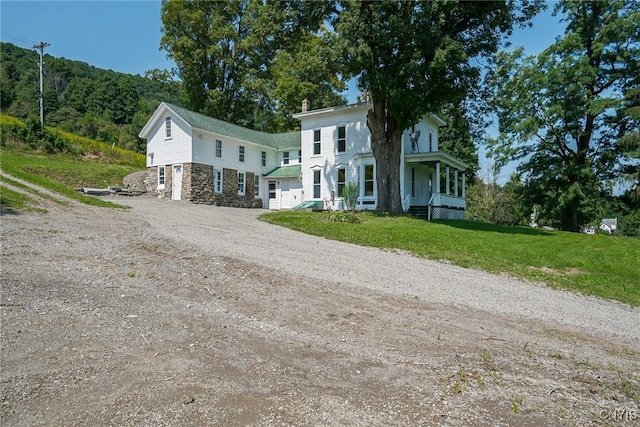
{"x": 285, "y": 171}
{"x": 273, "y": 140}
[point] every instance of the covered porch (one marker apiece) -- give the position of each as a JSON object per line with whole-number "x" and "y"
{"x": 283, "y": 187}
{"x": 434, "y": 185}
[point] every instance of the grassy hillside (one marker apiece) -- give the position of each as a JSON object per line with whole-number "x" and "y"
{"x": 603, "y": 266}
{"x": 83, "y": 99}
{"x": 61, "y": 161}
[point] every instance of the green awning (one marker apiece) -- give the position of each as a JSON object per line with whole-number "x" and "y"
{"x": 285, "y": 172}
{"x": 311, "y": 204}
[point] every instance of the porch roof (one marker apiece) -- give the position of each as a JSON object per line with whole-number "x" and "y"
{"x": 285, "y": 172}
{"x": 435, "y": 156}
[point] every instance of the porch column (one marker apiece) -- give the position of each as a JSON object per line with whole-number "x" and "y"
{"x": 437, "y": 177}
{"x": 464, "y": 191}
{"x": 455, "y": 177}
{"x": 447, "y": 180}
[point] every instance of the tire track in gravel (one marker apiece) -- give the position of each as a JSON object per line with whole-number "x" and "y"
{"x": 238, "y": 233}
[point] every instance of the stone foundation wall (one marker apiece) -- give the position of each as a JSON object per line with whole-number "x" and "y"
{"x": 200, "y": 179}
{"x": 151, "y": 182}
{"x": 197, "y": 186}
{"x": 185, "y": 193}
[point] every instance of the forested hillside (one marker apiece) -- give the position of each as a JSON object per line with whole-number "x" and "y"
{"x": 102, "y": 104}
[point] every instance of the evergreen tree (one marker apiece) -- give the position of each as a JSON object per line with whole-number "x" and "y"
{"x": 563, "y": 113}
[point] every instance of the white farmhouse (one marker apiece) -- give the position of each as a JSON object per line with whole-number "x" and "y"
{"x": 194, "y": 157}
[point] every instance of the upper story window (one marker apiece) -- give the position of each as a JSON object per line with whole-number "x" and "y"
{"x": 264, "y": 158}
{"x": 316, "y": 142}
{"x": 342, "y": 139}
{"x": 285, "y": 158}
{"x": 299, "y": 156}
{"x": 218, "y": 148}
{"x": 167, "y": 128}
{"x": 241, "y": 153}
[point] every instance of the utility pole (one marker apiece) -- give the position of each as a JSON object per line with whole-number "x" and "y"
{"x": 41, "y": 46}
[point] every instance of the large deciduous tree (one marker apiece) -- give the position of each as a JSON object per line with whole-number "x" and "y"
{"x": 413, "y": 57}
{"x": 563, "y": 113}
{"x": 231, "y": 56}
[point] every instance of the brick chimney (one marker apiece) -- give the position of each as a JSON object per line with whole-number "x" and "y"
{"x": 305, "y": 105}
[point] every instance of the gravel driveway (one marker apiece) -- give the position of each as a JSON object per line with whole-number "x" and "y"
{"x": 178, "y": 314}
{"x": 237, "y": 233}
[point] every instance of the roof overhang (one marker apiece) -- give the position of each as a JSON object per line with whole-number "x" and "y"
{"x": 438, "y": 120}
{"x": 360, "y": 105}
{"x": 160, "y": 111}
{"x": 339, "y": 108}
{"x": 435, "y": 156}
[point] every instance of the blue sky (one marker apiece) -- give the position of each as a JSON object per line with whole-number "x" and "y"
{"x": 125, "y": 35}
{"x": 118, "y": 35}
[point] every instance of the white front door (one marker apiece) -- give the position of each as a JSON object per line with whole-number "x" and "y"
{"x": 419, "y": 185}
{"x": 272, "y": 195}
{"x": 285, "y": 196}
{"x": 176, "y": 183}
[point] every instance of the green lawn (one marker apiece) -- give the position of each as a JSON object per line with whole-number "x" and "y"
{"x": 63, "y": 173}
{"x": 603, "y": 266}
{"x": 18, "y": 201}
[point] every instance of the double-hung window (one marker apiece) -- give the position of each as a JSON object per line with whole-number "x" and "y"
{"x": 285, "y": 158}
{"x": 218, "y": 148}
{"x": 161, "y": 176}
{"x": 264, "y": 158}
{"x": 342, "y": 139}
{"x": 316, "y": 184}
{"x": 256, "y": 185}
{"x": 217, "y": 181}
{"x": 167, "y": 128}
{"x": 342, "y": 180}
{"x": 241, "y": 153}
{"x": 316, "y": 142}
{"x": 241, "y": 183}
{"x": 368, "y": 180}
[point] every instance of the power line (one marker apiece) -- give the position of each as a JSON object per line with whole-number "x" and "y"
{"x": 11, "y": 38}
{"x": 41, "y": 46}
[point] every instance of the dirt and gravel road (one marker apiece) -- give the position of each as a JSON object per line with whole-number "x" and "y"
{"x": 178, "y": 314}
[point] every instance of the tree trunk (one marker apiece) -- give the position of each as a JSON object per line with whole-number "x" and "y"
{"x": 385, "y": 144}
{"x": 570, "y": 220}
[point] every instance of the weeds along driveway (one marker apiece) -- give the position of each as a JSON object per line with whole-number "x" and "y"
{"x": 237, "y": 233}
